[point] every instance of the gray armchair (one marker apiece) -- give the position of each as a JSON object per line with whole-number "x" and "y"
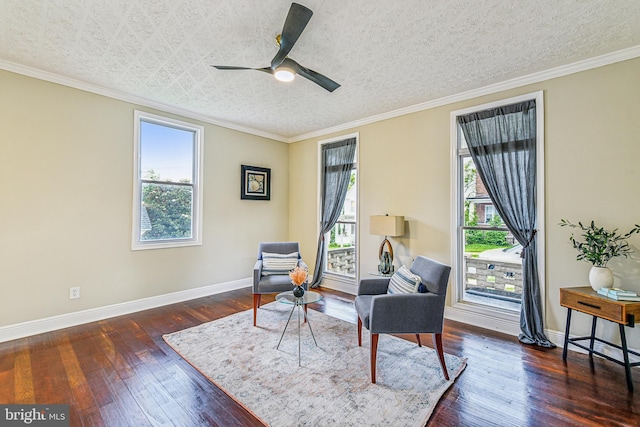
{"x": 412, "y": 313}
{"x": 272, "y": 283}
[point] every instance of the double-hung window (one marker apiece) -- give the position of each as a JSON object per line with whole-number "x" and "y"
{"x": 340, "y": 250}
{"x": 488, "y": 272}
{"x": 167, "y": 194}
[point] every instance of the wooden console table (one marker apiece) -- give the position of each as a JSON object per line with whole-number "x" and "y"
{"x": 624, "y": 313}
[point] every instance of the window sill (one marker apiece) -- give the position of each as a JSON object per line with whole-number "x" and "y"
{"x": 137, "y": 246}
{"x": 339, "y": 282}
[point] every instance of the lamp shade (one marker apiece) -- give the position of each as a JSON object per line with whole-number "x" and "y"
{"x": 386, "y": 225}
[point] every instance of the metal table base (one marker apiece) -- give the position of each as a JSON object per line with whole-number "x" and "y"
{"x": 298, "y": 304}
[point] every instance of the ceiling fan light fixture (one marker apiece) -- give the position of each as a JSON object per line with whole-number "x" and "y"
{"x": 282, "y": 67}
{"x": 284, "y": 74}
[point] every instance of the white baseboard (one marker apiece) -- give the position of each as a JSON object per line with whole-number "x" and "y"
{"x": 510, "y": 327}
{"x": 507, "y": 325}
{"x": 557, "y": 338}
{"x": 48, "y": 324}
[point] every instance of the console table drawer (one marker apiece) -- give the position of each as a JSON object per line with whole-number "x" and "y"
{"x": 594, "y": 305}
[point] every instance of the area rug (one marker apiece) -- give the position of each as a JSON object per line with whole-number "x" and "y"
{"x": 332, "y": 387}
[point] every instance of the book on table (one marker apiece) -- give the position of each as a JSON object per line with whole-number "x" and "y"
{"x": 619, "y": 294}
{"x": 625, "y": 297}
{"x": 615, "y": 293}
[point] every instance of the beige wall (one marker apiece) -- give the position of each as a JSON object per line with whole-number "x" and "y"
{"x": 66, "y": 171}
{"x": 592, "y": 156}
{"x": 66, "y": 183}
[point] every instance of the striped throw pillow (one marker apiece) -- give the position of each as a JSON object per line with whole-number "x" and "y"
{"x": 278, "y": 263}
{"x": 403, "y": 281}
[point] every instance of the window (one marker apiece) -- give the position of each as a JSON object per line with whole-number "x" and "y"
{"x": 487, "y": 269}
{"x": 341, "y": 251}
{"x": 489, "y": 213}
{"x": 490, "y": 258}
{"x": 167, "y": 183}
{"x": 339, "y": 264}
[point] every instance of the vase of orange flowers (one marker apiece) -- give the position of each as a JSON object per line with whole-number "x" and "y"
{"x": 298, "y": 276}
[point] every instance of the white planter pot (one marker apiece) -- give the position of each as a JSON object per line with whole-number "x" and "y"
{"x": 600, "y": 277}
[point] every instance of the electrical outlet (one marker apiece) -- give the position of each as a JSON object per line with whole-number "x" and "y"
{"x": 74, "y": 293}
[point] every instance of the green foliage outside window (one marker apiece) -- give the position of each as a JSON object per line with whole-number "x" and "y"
{"x": 486, "y": 239}
{"x": 479, "y": 240}
{"x": 169, "y": 208}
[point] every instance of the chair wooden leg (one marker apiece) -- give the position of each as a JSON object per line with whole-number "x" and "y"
{"x": 359, "y": 332}
{"x": 437, "y": 343}
{"x": 256, "y": 304}
{"x": 305, "y": 312}
{"x": 418, "y": 338}
{"x": 374, "y": 352}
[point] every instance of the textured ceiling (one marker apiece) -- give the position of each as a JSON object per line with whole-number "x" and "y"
{"x": 386, "y": 55}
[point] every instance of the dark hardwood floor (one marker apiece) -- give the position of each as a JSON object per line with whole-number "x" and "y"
{"x": 119, "y": 372}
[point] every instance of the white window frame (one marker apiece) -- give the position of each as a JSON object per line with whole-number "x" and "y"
{"x": 333, "y": 280}
{"x": 481, "y": 315}
{"x": 196, "y": 216}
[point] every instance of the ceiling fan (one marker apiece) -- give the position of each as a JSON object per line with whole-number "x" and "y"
{"x": 282, "y": 67}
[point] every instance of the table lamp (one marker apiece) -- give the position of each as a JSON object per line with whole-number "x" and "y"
{"x": 386, "y": 225}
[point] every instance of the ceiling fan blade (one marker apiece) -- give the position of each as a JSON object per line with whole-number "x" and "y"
{"x": 231, "y": 67}
{"x": 317, "y": 78}
{"x": 297, "y": 19}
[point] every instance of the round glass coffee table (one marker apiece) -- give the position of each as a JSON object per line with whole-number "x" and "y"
{"x": 299, "y": 302}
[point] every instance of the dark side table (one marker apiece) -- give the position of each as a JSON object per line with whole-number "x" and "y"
{"x": 624, "y": 313}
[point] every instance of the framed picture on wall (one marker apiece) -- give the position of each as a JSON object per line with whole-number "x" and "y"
{"x": 256, "y": 183}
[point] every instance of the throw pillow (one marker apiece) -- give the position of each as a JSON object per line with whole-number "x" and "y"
{"x": 278, "y": 263}
{"x": 403, "y": 281}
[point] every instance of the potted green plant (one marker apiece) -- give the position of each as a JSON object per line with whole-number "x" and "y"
{"x": 598, "y": 247}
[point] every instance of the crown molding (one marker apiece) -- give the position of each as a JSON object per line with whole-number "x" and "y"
{"x": 564, "y": 70}
{"x": 122, "y": 96}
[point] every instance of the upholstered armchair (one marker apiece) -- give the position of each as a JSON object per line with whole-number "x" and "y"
{"x": 271, "y": 275}
{"x": 405, "y": 312}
